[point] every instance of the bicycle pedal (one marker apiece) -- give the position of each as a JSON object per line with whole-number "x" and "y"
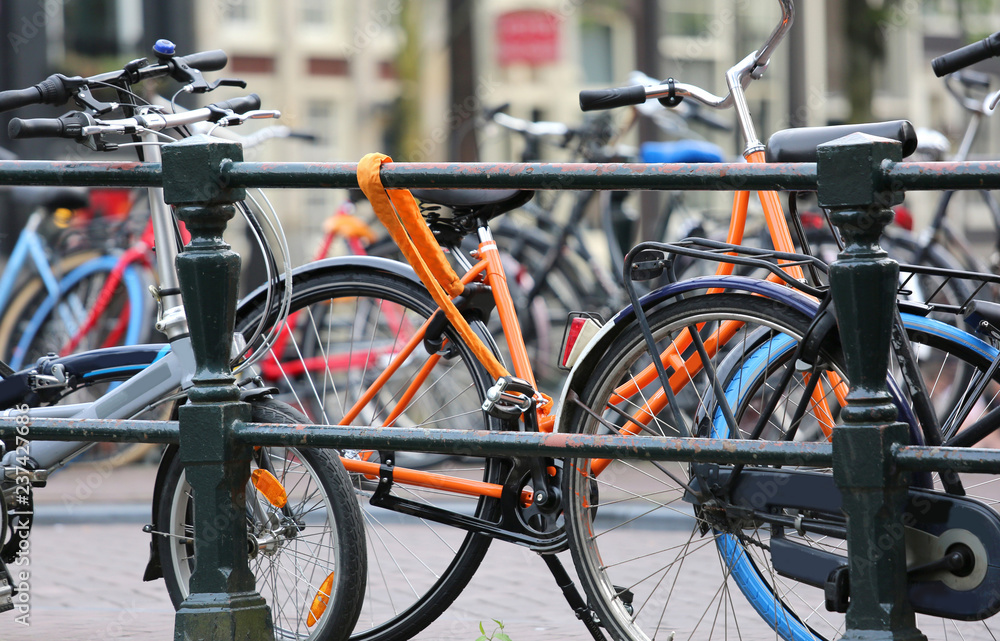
{"x": 509, "y": 398}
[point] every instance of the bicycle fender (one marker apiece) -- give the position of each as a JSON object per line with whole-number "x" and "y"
{"x": 339, "y": 263}
{"x": 598, "y": 345}
{"x": 154, "y": 568}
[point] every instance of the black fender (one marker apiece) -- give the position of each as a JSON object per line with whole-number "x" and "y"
{"x": 598, "y": 346}
{"x": 338, "y": 263}
{"x": 256, "y": 300}
{"x": 154, "y": 570}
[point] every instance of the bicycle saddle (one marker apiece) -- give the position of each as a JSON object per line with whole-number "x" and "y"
{"x": 478, "y": 203}
{"x": 680, "y": 151}
{"x": 799, "y": 145}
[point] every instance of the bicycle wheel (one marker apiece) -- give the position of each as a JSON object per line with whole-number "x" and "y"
{"x": 634, "y": 587}
{"x": 26, "y": 301}
{"x": 309, "y": 547}
{"x": 686, "y": 578}
{"x": 348, "y": 325}
{"x": 954, "y": 365}
{"x": 37, "y": 323}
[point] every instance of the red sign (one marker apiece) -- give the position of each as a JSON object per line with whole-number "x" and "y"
{"x": 528, "y": 37}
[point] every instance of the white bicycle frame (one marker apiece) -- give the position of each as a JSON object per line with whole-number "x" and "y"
{"x": 167, "y": 375}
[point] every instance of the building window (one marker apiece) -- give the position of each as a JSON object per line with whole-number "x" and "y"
{"x": 598, "y": 62}
{"x": 686, "y": 19}
{"x": 315, "y": 12}
{"x": 90, "y": 27}
{"x": 238, "y": 10}
{"x": 320, "y": 121}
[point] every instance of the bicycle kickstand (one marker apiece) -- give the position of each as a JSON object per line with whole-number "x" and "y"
{"x": 580, "y": 607}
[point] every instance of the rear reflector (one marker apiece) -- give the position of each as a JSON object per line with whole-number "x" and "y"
{"x": 581, "y": 328}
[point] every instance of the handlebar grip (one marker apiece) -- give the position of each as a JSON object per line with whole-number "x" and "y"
{"x": 967, "y": 55}
{"x": 15, "y": 98}
{"x": 205, "y": 60}
{"x": 240, "y": 105}
{"x": 592, "y": 100}
{"x": 36, "y": 128}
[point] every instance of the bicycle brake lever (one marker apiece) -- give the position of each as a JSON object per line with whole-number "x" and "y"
{"x": 227, "y": 82}
{"x": 236, "y": 119}
{"x": 200, "y": 85}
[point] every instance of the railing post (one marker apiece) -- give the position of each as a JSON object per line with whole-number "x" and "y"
{"x": 863, "y": 280}
{"x": 223, "y": 604}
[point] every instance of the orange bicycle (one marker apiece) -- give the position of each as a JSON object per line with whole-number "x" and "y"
{"x": 378, "y": 343}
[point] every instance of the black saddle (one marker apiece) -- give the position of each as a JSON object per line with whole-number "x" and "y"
{"x": 799, "y": 145}
{"x": 480, "y": 204}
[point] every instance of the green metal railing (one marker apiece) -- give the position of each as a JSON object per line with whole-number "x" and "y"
{"x": 858, "y": 178}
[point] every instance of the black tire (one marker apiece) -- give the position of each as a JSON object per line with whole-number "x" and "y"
{"x": 291, "y": 571}
{"x": 416, "y": 567}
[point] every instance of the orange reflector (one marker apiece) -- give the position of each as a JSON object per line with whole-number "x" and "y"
{"x": 320, "y": 602}
{"x": 270, "y": 487}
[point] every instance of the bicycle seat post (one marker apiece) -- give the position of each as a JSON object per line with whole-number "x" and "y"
{"x": 223, "y": 603}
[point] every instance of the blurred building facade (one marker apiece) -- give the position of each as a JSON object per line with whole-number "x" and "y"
{"x": 376, "y": 75}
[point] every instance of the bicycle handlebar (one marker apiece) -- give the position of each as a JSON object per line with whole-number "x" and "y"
{"x": 57, "y": 89}
{"x": 750, "y": 68}
{"x": 62, "y": 127}
{"x": 531, "y": 127}
{"x": 77, "y": 124}
{"x": 212, "y": 60}
{"x": 595, "y": 99}
{"x": 968, "y": 55}
{"x": 16, "y": 98}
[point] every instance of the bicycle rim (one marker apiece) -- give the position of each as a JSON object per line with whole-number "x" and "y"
{"x": 652, "y": 563}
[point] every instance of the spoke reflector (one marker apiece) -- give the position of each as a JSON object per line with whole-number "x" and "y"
{"x": 270, "y": 487}
{"x": 320, "y": 602}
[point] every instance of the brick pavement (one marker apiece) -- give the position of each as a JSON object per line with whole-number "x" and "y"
{"x": 86, "y": 576}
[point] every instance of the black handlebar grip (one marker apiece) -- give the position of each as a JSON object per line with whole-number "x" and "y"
{"x": 592, "y": 100}
{"x": 967, "y": 55}
{"x": 240, "y": 105}
{"x": 36, "y": 128}
{"x": 15, "y": 98}
{"x": 205, "y": 60}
